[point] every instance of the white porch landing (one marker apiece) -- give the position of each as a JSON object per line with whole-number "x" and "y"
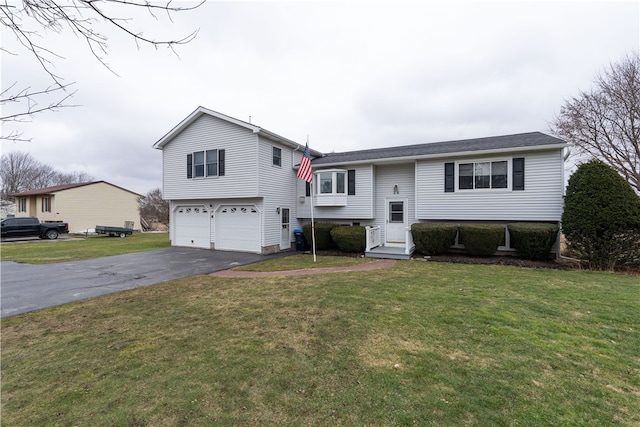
{"x": 375, "y": 248}
{"x": 389, "y": 252}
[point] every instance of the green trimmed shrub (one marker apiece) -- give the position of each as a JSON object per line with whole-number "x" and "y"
{"x": 601, "y": 218}
{"x": 350, "y": 239}
{"x": 533, "y": 240}
{"x": 481, "y": 239}
{"x": 323, "y": 235}
{"x": 433, "y": 238}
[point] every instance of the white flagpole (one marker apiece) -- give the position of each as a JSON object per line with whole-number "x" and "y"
{"x": 313, "y": 226}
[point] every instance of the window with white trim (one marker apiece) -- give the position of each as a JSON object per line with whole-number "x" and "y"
{"x": 331, "y": 182}
{"x": 487, "y": 174}
{"x": 331, "y": 187}
{"x": 477, "y": 175}
{"x": 277, "y": 156}
{"x": 22, "y": 204}
{"x": 209, "y": 163}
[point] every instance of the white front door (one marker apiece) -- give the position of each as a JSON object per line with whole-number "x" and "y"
{"x": 285, "y": 237}
{"x": 396, "y": 226}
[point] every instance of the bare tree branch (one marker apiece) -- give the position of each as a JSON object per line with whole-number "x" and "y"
{"x": 604, "y": 123}
{"x": 29, "y": 19}
{"x": 26, "y": 95}
{"x": 31, "y": 106}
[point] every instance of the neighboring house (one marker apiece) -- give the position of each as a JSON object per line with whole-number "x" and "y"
{"x": 83, "y": 205}
{"x": 232, "y": 185}
{"x": 7, "y": 208}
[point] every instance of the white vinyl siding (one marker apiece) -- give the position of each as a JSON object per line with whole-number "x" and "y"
{"x": 359, "y": 206}
{"x": 276, "y": 187}
{"x": 211, "y": 133}
{"x": 395, "y": 182}
{"x": 540, "y": 201}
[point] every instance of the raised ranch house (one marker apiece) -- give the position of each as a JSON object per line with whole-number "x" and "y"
{"x": 232, "y": 185}
{"x": 83, "y": 206}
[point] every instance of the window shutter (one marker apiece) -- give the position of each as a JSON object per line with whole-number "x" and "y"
{"x": 189, "y": 166}
{"x": 220, "y": 162}
{"x": 307, "y": 189}
{"x": 518, "y": 174}
{"x": 351, "y": 182}
{"x": 449, "y": 177}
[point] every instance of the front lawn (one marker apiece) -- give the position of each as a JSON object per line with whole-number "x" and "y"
{"x": 78, "y": 247}
{"x": 301, "y": 261}
{"x": 420, "y": 343}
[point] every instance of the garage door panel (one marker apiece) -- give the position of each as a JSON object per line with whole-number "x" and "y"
{"x": 192, "y": 227}
{"x": 238, "y": 228}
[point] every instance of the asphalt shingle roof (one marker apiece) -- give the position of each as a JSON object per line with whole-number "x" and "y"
{"x": 56, "y": 188}
{"x": 522, "y": 140}
{"x": 49, "y": 190}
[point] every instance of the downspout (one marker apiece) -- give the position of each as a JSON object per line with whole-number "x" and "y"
{"x": 292, "y": 157}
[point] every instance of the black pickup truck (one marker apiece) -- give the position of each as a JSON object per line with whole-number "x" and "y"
{"x": 31, "y": 226}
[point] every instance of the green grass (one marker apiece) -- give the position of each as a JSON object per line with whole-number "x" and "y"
{"x": 301, "y": 261}
{"x": 420, "y": 343}
{"x": 62, "y": 250}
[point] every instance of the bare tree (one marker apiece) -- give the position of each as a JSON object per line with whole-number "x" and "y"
{"x": 29, "y": 19}
{"x": 22, "y": 172}
{"x": 15, "y": 171}
{"x": 604, "y": 123}
{"x": 153, "y": 208}
{"x": 72, "y": 178}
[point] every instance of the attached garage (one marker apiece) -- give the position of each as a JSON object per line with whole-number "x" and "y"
{"x": 238, "y": 228}
{"x": 192, "y": 227}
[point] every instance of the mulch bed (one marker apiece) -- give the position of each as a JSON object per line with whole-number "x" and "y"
{"x": 468, "y": 259}
{"x": 498, "y": 260}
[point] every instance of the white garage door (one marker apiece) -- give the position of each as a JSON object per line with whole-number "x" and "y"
{"x": 192, "y": 227}
{"x": 238, "y": 228}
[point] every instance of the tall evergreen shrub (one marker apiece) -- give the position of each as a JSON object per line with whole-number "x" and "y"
{"x": 601, "y": 218}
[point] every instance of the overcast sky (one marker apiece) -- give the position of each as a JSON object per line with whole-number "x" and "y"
{"x": 348, "y": 74}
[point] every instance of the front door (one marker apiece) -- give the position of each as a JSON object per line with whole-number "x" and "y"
{"x": 285, "y": 238}
{"x": 396, "y": 226}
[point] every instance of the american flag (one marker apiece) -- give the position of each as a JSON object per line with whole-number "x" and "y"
{"x": 305, "y": 166}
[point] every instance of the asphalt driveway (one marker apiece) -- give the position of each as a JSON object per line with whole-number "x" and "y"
{"x": 27, "y": 287}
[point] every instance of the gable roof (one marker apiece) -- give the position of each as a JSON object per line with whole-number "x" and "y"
{"x": 504, "y": 143}
{"x": 200, "y": 111}
{"x": 57, "y": 188}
